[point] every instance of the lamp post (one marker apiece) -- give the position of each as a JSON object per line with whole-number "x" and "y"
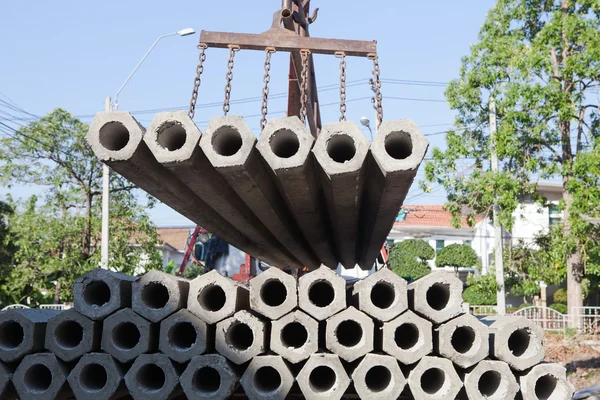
{"x": 109, "y": 106}
{"x": 364, "y": 121}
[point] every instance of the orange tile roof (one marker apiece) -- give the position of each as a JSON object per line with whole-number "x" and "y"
{"x": 174, "y": 237}
{"x": 429, "y": 215}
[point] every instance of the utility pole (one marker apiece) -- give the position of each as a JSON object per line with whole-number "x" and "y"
{"x": 499, "y": 261}
{"x": 105, "y": 203}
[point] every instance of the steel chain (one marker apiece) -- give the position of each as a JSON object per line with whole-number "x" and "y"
{"x": 342, "y": 56}
{"x": 376, "y": 85}
{"x": 265, "y": 92}
{"x": 304, "y": 84}
{"x": 229, "y": 78}
{"x": 199, "y": 70}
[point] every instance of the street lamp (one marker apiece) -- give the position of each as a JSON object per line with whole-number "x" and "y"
{"x": 364, "y": 121}
{"x": 109, "y": 106}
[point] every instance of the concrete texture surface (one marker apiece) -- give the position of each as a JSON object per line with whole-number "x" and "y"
{"x": 97, "y": 376}
{"x": 340, "y": 151}
{"x": 156, "y": 295}
{"x": 273, "y": 293}
{"x": 350, "y": 334}
{"x": 41, "y": 376}
{"x": 321, "y": 293}
{"x": 209, "y": 377}
{"x": 323, "y": 377}
{"x": 382, "y": 295}
{"x": 464, "y": 340}
{"x": 492, "y": 380}
{"x": 436, "y": 296}
{"x": 117, "y": 140}
{"x": 267, "y": 377}
{"x": 6, "y": 388}
{"x": 70, "y": 335}
{"x": 152, "y": 376}
{"x": 212, "y": 297}
{"x": 285, "y": 144}
{"x": 22, "y": 332}
{"x": 101, "y": 292}
{"x": 241, "y": 337}
{"x": 517, "y": 341}
{"x": 434, "y": 378}
{"x": 174, "y": 140}
{"x": 126, "y": 335}
{"x": 295, "y": 336}
{"x": 408, "y": 338}
{"x": 183, "y": 336}
{"x": 378, "y": 376}
{"x": 229, "y": 144}
{"x": 546, "y": 381}
{"x": 392, "y": 164}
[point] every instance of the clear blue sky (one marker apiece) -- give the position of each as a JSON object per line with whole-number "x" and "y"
{"x": 73, "y": 54}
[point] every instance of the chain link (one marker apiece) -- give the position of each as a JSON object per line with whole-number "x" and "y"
{"x": 199, "y": 70}
{"x": 304, "y": 84}
{"x": 342, "y": 57}
{"x": 229, "y": 77}
{"x": 376, "y": 86}
{"x": 266, "y": 79}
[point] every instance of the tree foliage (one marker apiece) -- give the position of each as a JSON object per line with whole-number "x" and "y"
{"x": 409, "y": 258}
{"x": 457, "y": 256}
{"x": 481, "y": 289}
{"x": 57, "y": 237}
{"x": 560, "y": 296}
{"x": 540, "y": 61}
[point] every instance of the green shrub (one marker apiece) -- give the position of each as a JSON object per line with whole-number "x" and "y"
{"x": 525, "y": 305}
{"x": 481, "y": 290}
{"x": 561, "y": 308}
{"x": 560, "y": 296}
{"x": 408, "y": 259}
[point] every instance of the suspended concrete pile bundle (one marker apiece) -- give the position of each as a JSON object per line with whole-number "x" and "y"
{"x": 163, "y": 337}
{"x": 288, "y": 199}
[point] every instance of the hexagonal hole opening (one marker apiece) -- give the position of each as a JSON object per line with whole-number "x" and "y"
{"x": 383, "y": 295}
{"x": 113, "y": 136}
{"x": 171, "y": 135}
{"x": 489, "y": 382}
{"x": 406, "y": 336}
{"x": 378, "y": 378}
{"x": 398, "y": 145}
{"x": 93, "y": 377}
{"x": 96, "y": 293}
{"x": 267, "y": 379}
{"x": 341, "y": 148}
{"x": 433, "y": 380}
{"x": 212, "y": 298}
{"x": 126, "y": 336}
{"x": 438, "y": 296}
{"x": 206, "y": 380}
{"x": 151, "y": 378}
{"x": 68, "y": 334}
{"x": 284, "y": 143}
{"x": 519, "y": 341}
{"x": 463, "y": 339}
{"x": 11, "y": 335}
{"x": 273, "y": 292}
{"x": 240, "y": 336}
{"x": 155, "y": 295}
{"x": 227, "y": 141}
{"x": 349, "y": 333}
{"x": 182, "y": 335}
{"x": 322, "y": 379}
{"x": 294, "y": 335}
{"x": 545, "y": 386}
{"x": 321, "y": 294}
{"x": 38, "y": 378}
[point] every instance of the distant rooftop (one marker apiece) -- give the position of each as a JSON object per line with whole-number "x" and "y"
{"x": 427, "y": 215}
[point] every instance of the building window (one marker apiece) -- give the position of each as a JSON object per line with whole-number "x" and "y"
{"x": 390, "y": 242}
{"x": 439, "y": 245}
{"x": 554, "y": 215}
{"x": 467, "y": 242}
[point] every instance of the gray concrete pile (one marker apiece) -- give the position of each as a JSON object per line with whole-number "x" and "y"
{"x": 287, "y": 198}
{"x": 163, "y": 337}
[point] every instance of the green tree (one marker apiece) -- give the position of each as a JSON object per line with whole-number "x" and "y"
{"x": 409, "y": 258}
{"x": 193, "y": 271}
{"x": 457, "y": 256}
{"x": 481, "y": 289}
{"x": 540, "y": 61}
{"x": 58, "y": 236}
{"x": 7, "y": 251}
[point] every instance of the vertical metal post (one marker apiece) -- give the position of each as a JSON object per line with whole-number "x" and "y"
{"x": 498, "y": 242}
{"x": 105, "y": 203}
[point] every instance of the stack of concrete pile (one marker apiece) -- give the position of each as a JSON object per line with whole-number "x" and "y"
{"x": 287, "y": 199}
{"x": 160, "y": 337}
